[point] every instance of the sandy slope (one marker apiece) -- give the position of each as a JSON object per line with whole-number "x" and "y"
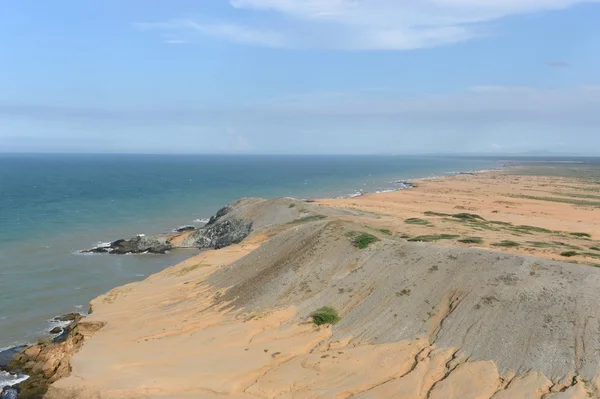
{"x": 418, "y": 320}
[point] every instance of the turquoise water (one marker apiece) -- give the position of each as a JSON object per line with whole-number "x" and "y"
{"x": 51, "y": 206}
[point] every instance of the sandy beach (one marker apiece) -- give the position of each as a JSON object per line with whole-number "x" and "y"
{"x": 423, "y": 315}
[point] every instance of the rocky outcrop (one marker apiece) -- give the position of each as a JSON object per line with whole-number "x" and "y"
{"x": 48, "y": 361}
{"x": 137, "y": 245}
{"x": 221, "y": 234}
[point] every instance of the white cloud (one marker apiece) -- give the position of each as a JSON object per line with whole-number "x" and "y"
{"x": 391, "y": 24}
{"x": 184, "y": 30}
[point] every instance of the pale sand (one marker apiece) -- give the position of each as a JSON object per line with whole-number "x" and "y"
{"x": 169, "y": 336}
{"x": 495, "y": 197}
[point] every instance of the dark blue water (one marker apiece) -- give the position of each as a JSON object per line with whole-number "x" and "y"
{"x": 51, "y": 206}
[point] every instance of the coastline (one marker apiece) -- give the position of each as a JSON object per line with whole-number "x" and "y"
{"x": 16, "y": 380}
{"x": 239, "y": 250}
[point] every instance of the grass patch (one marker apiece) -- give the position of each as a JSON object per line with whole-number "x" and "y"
{"x": 581, "y": 235}
{"x": 565, "y": 245}
{"x": 500, "y": 223}
{"x": 467, "y": 216}
{"x": 325, "y": 315}
{"x": 533, "y": 229}
{"x": 363, "y": 240}
{"x": 591, "y": 255}
{"x": 595, "y": 248}
{"x": 306, "y": 219}
{"x": 472, "y": 240}
{"x": 540, "y": 244}
{"x": 571, "y": 201}
{"x": 434, "y": 237}
{"x": 569, "y": 254}
{"x": 421, "y": 222}
{"x": 386, "y": 232}
{"x": 506, "y": 244}
{"x": 577, "y": 195}
{"x": 292, "y": 206}
{"x": 430, "y": 213}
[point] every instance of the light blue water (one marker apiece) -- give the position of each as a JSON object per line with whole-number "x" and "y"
{"x": 51, "y": 206}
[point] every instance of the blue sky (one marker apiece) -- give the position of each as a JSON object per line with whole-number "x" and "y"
{"x": 300, "y": 76}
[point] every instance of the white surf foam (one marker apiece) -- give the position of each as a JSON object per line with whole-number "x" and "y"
{"x": 201, "y": 221}
{"x": 9, "y": 380}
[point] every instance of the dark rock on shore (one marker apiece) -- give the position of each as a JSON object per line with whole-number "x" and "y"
{"x": 136, "y": 245}
{"x": 7, "y": 355}
{"x": 69, "y": 317}
{"x": 223, "y": 229}
{"x": 9, "y": 393}
{"x": 55, "y": 330}
{"x": 183, "y": 229}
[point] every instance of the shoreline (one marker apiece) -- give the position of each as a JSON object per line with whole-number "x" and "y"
{"x": 404, "y": 185}
{"x": 367, "y": 195}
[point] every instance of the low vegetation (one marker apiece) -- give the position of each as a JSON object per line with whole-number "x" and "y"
{"x": 325, "y": 315}
{"x": 506, "y": 244}
{"x": 578, "y": 195}
{"x": 306, "y": 219}
{"x": 569, "y": 254}
{"x": 472, "y": 240}
{"x": 434, "y": 237}
{"x": 292, "y": 205}
{"x": 581, "y": 235}
{"x": 467, "y": 216}
{"x": 500, "y": 223}
{"x": 421, "y": 222}
{"x": 571, "y": 201}
{"x": 540, "y": 244}
{"x": 533, "y": 229}
{"x": 362, "y": 240}
{"x": 431, "y": 213}
{"x": 595, "y": 248}
{"x": 385, "y": 231}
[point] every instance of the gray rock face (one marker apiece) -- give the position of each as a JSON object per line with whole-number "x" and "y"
{"x": 220, "y": 213}
{"x": 222, "y": 233}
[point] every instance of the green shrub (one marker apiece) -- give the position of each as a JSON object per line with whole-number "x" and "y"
{"x": 539, "y": 244}
{"x": 430, "y": 213}
{"x": 434, "y": 237}
{"x": 385, "y": 231}
{"x": 363, "y": 240}
{"x": 472, "y": 240}
{"x": 306, "y": 219}
{"x": 506, "y": 244}
{"x": 325, "y": 315}
{"x": 500, "y": 223}
{"x": 292, "y": 205}
{"x": 418, "y": 221}
{"x": 595, "y": 248}
{"x": 467, "y": 216}
{"x": 584, "y": 235}
{"x": 534, "y": 229}
{"x": 569, "y": 254}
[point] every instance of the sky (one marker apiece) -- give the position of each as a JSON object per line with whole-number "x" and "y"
{"x": 300, "y": 76}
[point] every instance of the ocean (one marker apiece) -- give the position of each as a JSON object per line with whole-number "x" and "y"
{"x": 52, "y": 206}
